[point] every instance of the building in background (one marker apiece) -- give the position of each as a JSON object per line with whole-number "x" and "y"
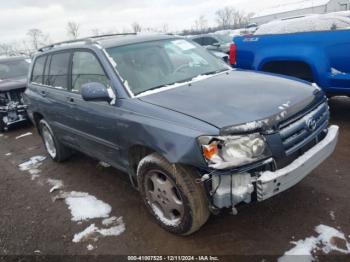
{"x": 299, "y": 8}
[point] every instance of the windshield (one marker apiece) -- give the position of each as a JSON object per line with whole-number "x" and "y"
{"x": 14, "y": 69}
{"x": 150, "y": 65}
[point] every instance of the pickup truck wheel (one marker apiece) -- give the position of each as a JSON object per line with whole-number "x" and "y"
{"x": 171, "y": 195}
{"x": 56, "y": 150}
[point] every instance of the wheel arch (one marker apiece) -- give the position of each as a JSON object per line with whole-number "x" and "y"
{"x": 290, "y": 67}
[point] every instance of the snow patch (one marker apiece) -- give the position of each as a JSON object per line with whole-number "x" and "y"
{"x": 94, "y": 232}
{"x": 337, "y": 72}
{"x": 104, "y": 164}
{"x": 23, "y": 135}
{"x": 84, "y": 206}
{"x": 332, "y": 215}
{"x": 32, "y": 166}
{"x": 56, "y": 184}
{"x": 327, "y": 240}
{"x": 109, "y": 221}
{"x": 8, "y": 154}
{"x": 90, "y": 247}
{"x": 308, "y": 23}
{"x": 162, "y": 218}
{"x": 168, "y": 87}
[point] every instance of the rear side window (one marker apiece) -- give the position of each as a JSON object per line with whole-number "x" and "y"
{"x": 85, "y": 69}
{"x": 209, "y": 41}
{"x": 198, "y": 40}
{"x": 58, "y": 73}
{"x": 38, "y": 70}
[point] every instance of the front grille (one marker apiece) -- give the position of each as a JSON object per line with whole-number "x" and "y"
{"x": 304, "y": 130}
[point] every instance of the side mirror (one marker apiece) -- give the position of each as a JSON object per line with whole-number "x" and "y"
{"x": 95, "y": 92}
{"x": 216, "y": 44}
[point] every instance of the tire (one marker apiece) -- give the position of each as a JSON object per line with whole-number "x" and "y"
{"x": 2, "y": 124}
{"x": 56, "y": 150}
{"x": 154, "y": 173}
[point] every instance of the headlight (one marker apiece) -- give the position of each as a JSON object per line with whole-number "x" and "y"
{"x": 232, "y": 151}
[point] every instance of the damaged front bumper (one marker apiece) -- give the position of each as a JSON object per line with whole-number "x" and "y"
{"x": 230, "y": 190}
{"x": 12, "y": 114}
{"x": 271, "y": 183}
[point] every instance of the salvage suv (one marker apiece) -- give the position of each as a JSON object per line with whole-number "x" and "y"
{"x": 194, "y": 135}
{"x": 13, "y": 74}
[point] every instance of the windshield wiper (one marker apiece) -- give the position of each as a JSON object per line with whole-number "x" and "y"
{"x": 215, "y": 72}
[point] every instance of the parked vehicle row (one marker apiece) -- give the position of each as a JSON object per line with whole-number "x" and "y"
{"x": 314, "y": 48}
{"x": 184, "y": 126}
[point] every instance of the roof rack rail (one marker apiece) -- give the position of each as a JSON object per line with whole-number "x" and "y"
{"x": 87, "y": 40}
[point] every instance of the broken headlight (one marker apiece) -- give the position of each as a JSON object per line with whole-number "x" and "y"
{"x": 233, "y": 151}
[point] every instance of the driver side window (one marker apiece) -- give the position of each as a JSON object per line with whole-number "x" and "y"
{"x": 85, "y": 69}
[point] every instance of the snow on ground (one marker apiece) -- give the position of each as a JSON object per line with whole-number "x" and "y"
{"x": 90, "y": 247}
{"x": 328, "y": 239}
{"x": 55, "y": 183}
{"x": 84, "y": 206}
{"x": 93, "y": 232}
{"x": 32, "y": 166}
{"x": 23, "y": 135}
{"x": 109, "y": 221}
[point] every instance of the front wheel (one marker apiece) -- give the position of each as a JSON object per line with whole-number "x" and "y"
{"x": 171, "y": 195}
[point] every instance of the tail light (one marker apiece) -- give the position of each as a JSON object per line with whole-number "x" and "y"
{"x": 233, "y": 54}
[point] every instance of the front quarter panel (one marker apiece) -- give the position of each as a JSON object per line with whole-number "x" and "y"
{"x": 171, "y": 134}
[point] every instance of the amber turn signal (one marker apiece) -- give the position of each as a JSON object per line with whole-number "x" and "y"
{"x": 210, "y": 150}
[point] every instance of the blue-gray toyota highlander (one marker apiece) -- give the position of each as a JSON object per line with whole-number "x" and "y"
{"x": 194, "y": 135}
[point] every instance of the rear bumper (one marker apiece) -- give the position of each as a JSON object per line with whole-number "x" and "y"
{"x": 272, "y": 183}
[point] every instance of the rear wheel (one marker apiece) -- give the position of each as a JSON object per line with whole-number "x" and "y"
{"x": 171, "y": 195}
{"x": 56, "y": 150}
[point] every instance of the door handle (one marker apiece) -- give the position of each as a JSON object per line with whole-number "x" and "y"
{"x": 43, "y": 93}
{"x": 70, "y": 99}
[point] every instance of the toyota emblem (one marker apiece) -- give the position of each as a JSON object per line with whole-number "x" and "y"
{"x": 311, "y": 124}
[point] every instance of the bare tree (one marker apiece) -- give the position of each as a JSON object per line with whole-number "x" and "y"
{"x": 164, "y": 28}
{"x": 136, "y": 27}
{"x": 37, "y": 38}
{"x": 96, "y": 31}
{"x": 225, "y": 17}
{"x": 73, "y": 29}
{"x": 6, "y": 49}
{"x": 201, "y": 24}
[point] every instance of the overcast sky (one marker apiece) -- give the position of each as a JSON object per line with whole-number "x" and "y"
{"x": 18, "y": 16}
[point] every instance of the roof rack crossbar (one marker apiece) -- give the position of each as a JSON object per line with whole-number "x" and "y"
{"x": 87, "y": 40}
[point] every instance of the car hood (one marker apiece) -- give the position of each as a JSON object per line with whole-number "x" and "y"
{"x": 237, "y": 97}
{"x": 12, "y": 84}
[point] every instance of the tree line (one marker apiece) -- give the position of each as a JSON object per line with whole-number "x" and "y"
{"x": 225, "y": 18}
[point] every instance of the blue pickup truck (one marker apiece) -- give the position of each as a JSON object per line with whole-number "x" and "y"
{"x": 315, "y": 48}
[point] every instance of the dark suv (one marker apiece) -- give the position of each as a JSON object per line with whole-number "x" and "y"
{"x": 193, "y": 135}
